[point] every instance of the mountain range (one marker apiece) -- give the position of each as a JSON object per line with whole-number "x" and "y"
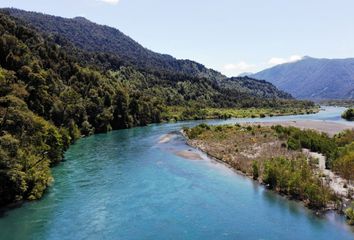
{"x": 114, "y": 49}
{"x": 93, "y": 37}
{"x": 313, "y": 78}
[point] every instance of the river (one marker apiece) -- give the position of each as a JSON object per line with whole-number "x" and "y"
{"x": 125, "y": 185}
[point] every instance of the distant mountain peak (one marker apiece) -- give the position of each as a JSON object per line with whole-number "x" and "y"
{"x": 306, "y": 57}
{"x": 81, "y": 18}
{"x": 245, "y": 74}
{"x": 313, "y": 78}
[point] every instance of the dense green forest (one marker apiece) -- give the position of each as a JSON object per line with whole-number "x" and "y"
{"x": 110, "y": 49}
{"x": 93, "y": 37}
{"x": 52, "y": 93}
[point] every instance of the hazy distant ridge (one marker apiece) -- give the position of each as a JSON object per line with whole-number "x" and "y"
{"x": 313, "y": 78}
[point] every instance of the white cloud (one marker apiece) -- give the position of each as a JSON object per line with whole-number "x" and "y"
{"x": 295, "y": 58}
{"x": 276, "y": 61}
{"x": 235, "y": 69}
{"x": 113, "y": 2}
{"x": 241, "y": 66}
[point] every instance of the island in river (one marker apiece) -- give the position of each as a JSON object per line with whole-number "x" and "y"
{"x": 313, "y": 164}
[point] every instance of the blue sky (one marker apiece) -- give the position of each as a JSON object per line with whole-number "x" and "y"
{"x": 231, "y": 36}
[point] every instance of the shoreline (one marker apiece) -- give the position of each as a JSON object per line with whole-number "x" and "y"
{"x": 330, "y": 128}
{"x": 254, "y": 113}
{"x": 249, "y": 177}
{"x": 330, "y": 207}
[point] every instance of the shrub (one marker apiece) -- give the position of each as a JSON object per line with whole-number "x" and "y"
{"x": 349, "y": 114}
{"x": 344, "y": 138}
{"x": 344, "y": 164}
{"x": 293, "y": 144}
{"x": 349, "y": 213}
{"x": 255, "y": 170}
{"x": 194, "y": 132}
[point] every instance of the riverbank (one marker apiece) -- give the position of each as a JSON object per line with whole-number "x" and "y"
{"x": 331, "y": 128}
{"x": 179, "y": 113}
{"x": 249, "y": 147}
{"x": 340, "y": 186}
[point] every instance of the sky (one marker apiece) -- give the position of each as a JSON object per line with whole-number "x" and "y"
{"x": 231, "y": 36}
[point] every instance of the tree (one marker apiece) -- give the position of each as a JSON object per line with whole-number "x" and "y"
{"x": 349, "y": 213}
{"x": 255, "y": 170}
{"x": 344, "y": 164}
{"x": 349, "y": 114}
{"x": 121, "y": 111}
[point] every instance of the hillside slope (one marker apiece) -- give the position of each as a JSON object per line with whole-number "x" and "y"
{"x": 312, "y": 78}
{"x": 111, "y": 49}
{"x": 93, "y": 37}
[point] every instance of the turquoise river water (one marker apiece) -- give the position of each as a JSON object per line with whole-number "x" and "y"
{"x": 125, "y": 185}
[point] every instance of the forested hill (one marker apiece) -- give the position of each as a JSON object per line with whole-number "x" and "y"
{"x": 111, "y": 49}
{"x": 93, "y": 37}
{"x": 51, "y": 94}
{"x": 260, "y": 88}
